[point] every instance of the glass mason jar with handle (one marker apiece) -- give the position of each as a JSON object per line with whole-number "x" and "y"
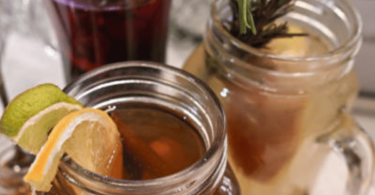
{"x": 289, "y": 107}
{"x": 159, "y": 87}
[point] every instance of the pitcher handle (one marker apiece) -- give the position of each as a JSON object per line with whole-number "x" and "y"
{"x": 351, "y": 142}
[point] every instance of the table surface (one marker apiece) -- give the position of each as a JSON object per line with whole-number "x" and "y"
{"x": 28, "y": 60}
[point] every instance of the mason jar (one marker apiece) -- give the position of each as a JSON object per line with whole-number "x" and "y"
{"x": 165, "y": 88}
{"x": 290, "y": 127}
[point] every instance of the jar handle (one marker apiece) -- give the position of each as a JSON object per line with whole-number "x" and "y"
{"x": 352, "y": 142}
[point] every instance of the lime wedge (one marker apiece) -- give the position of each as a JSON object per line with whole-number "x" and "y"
{"x": 29, "y": 116}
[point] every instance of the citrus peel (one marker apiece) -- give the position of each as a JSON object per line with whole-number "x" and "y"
{"x": 78, "y": 134}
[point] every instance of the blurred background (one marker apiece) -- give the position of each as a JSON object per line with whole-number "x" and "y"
{"x": 365, "y": 62}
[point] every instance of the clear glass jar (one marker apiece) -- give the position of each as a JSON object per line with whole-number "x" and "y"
{"x": 289, "y": 116}
{"x": 162, "y": 87}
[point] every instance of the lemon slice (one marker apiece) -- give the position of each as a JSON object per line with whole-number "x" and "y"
{"x": 88, "y": 136}
{"x": 28, "y": 117}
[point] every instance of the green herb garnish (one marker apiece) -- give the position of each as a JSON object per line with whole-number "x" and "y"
{"x": 254, "y": 21}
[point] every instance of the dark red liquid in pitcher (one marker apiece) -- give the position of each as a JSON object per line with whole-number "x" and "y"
{"x": 92, "y": 33}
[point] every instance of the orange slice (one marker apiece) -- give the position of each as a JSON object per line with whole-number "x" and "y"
{"x": 88, "y": 136}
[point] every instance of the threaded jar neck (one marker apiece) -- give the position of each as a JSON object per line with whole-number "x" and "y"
{"x": 168, "y": 88}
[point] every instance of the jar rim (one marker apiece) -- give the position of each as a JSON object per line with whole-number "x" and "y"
{"x": 351, "y": 42}
{"x": 215, "y": 148}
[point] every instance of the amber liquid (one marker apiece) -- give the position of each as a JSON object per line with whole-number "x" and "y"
{"x": 160, "y": 144}
{"x": 155, "y": 143}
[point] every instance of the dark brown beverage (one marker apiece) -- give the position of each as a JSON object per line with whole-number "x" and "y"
{"x": 92, "y": 33}
{"x": 155, "y": 143}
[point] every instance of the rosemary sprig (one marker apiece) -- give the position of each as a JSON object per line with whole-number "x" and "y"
{"x": 246, "y": 17}
{"x": 259, "y": 17}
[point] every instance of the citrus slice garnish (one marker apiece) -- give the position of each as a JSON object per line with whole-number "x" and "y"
{"x": 29, "y": 116}
{"x": 88, "y": 136}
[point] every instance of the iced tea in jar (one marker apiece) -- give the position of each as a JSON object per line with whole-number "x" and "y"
{"x": 288, "y": 104}
{"x": 172, "y": 131}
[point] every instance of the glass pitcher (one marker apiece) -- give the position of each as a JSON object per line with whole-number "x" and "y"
{"x": 289, "y": 115}
{"x": 92, "y": 33}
